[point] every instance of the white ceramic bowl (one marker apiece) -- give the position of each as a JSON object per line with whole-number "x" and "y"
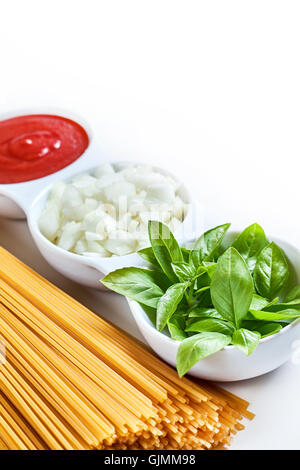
{"x": 88, "y": 271}
{"x": 31, "y": 197}
{"x": 230, "y": 364}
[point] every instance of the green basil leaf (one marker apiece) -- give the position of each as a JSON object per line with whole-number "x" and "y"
{"x": 211, "y": 324}
{"x": 250, "y": 243}
{"x": 138, "y": 284}
{"x": 232, "y": 287}
{"x": 271, "y": 271}
{"x": 281, "y": 306}
{"x": 252, "y": 324}
{"x": 165, "y": 248}
{"x": 275, "y": 316}
{"x": 202, "y": 312}
{"x": 148, "y": 255}
{"x": 197, "y": 347}
{"x": 168, "y": 303}
{"x": 259, "y": 303}
{"x": 210, "y": 267}
{"x": 176, "y": 326}
{"x": 268, "y": 329}
{"x": 293, "y": 294}
{"x": 246, "y": 340}
{"x": 207, "y": 244}
{"x": 183, "y": 271}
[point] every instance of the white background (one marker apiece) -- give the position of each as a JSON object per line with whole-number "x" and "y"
{"x": 209, "y": 89}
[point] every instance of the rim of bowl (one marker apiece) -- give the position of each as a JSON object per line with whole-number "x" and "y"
{"x": 33, "y": 222}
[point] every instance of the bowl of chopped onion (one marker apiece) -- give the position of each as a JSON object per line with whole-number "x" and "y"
{"x": 95, "y": 221}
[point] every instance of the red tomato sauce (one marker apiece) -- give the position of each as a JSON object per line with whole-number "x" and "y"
{"x": 38, "y": 145}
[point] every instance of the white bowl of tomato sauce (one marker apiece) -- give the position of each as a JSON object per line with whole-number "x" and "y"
{"x": 33, "y": 147}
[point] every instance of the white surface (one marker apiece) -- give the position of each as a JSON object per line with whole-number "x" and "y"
{"x": 209, "y": 89}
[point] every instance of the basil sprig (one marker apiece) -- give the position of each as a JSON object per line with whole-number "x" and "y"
{"x": 211, "y": 296}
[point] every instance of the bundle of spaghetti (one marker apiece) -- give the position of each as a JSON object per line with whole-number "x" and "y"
{"x": 72, "y": 380}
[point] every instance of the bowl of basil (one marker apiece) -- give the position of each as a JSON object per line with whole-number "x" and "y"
{"x": 225, "y": 308}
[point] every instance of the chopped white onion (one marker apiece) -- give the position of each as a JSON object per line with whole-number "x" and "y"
{"x": 57, "y": 191}
{"x": 104, "y": 169}
{"x": 50, "y": 221}
{"x": 93, "y": 236}
{"x": 95, "y": 247}
{"x": 117, "y": 190}
{"x": 119, "y": 244}
{"x": 80, "y": 247}
{"x": 106, "y": 213}
{"x": 161, "y": 193}
{"x": 70, "y": 234}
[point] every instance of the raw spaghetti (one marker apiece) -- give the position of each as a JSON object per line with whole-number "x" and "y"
{"x": 71, "y": 380}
